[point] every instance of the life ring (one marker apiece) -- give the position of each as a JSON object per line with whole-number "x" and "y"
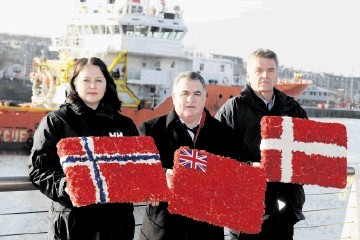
{"x": 43, "y": 83}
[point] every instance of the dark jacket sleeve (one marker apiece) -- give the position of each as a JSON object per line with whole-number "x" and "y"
{"x": 46, "y": 172}
{"x": 295, "y": 196}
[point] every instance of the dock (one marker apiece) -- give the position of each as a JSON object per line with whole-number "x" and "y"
{"x": 332, "y": 112}
{"x": 331, "y": 214}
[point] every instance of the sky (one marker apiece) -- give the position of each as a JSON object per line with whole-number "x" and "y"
{"x": 308, "y": 35}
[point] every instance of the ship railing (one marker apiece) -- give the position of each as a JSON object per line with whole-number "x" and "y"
{"x": 294, "y": 80}
{"x": 69, "y": 42}
{"x": 327, "y": 209}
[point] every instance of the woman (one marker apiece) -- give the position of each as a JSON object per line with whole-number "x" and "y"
{"x": 91, "y": 109}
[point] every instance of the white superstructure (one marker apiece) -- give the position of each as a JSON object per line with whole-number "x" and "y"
{"x": 151, "y": 33}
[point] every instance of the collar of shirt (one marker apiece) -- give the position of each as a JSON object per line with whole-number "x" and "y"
{"x": 269, "y": 105}
{"x": 192, "y": 131}
{"x": 196, "y": 125}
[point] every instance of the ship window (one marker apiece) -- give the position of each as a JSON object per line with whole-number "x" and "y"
{"x": 81, "y": 30}
{"x": 222, "y": 68}
{"x": 136, "y": 9}
{"x": 110, "y": 29}
{"x": 95, "y": 29}
{"x": 169, "y": 15}
{"x": 166, "y": 32}
{"x": 157, "y": 64}
{"x": 154, "y": 32}
{"x": 116, "y": 29}
{"x": 201, "y": 67}
{"x": 172, "y": 35}
{"x": 140, "y": 30}
{"x": 78, "y": 30}
{"x": 101, "y": 29}
{"x": 77, "y": 42}
{"x": 178, "y": 34}
{"x": 128, "y": 30}
{"x": 71, "y": 30}
{"x": 173, "y": 64}
{"x": 87, "y": 29}
{"x": 214, "y": 82}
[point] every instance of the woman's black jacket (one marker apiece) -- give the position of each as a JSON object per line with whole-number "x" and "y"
{"x": 112, "y": 221}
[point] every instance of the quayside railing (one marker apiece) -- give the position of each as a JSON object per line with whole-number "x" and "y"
{"x": 330, "y": 213}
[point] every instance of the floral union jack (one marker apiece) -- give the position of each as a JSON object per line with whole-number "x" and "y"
{"x": 192, "y": 158}
{"x": 218, "y": 191}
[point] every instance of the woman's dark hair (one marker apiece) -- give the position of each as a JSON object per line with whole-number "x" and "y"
{"x": 110, "y": 97}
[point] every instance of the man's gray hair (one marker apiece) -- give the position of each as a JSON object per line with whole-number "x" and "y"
{"x": 264, "y": 53}
{"x": 190, "y": 76}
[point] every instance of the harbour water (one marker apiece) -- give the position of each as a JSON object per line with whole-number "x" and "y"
{"x": 30, "y": 224}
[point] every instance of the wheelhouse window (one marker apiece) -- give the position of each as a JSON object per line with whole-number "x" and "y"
{"x": 128, "y": 30}
{"x": 178, "y": 34}
{"x": 116, "y": 29}
{"x": 222, "y": 68}
{"x": 88, "y": 29}
{"x": 140, "y": 30}
{"x": 137, "y": 30}
{"x": 155, "y": 32}
{"x": 112, "y": 29}
{"x": 166, "y": 32}
{"x": 201, "y": 67}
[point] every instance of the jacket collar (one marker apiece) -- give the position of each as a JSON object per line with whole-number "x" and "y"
{"x": 249, "y": 94}
{"x": 173, "y": 117}
{"x": 80, "y": 108}
{"x": 282, "y": 100}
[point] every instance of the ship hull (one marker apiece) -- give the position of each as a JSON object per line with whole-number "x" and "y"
{"x": 217, "y": 95}
{"x": 18, "y": 124}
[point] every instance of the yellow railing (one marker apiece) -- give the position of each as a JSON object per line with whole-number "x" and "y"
{"x": 121, "y": 81}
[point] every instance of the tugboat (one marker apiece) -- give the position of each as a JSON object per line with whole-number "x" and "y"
{"x": 141, "y": 42}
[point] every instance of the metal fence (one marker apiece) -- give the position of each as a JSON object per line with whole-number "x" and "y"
{"x": 302, "y": 230}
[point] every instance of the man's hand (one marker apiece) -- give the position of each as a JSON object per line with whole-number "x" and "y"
{"x": 169, "y": 178}
{"x": 153, "y": 203}
{"x": 169, "y": 181}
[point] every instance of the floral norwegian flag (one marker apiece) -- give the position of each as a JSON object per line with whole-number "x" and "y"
{"x": 217, "y": 190}
{"x": 112, "y": 169}
{"x": 304, "y": 151}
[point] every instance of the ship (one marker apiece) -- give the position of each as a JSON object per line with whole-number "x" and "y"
{"x": 141, "y": 43}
